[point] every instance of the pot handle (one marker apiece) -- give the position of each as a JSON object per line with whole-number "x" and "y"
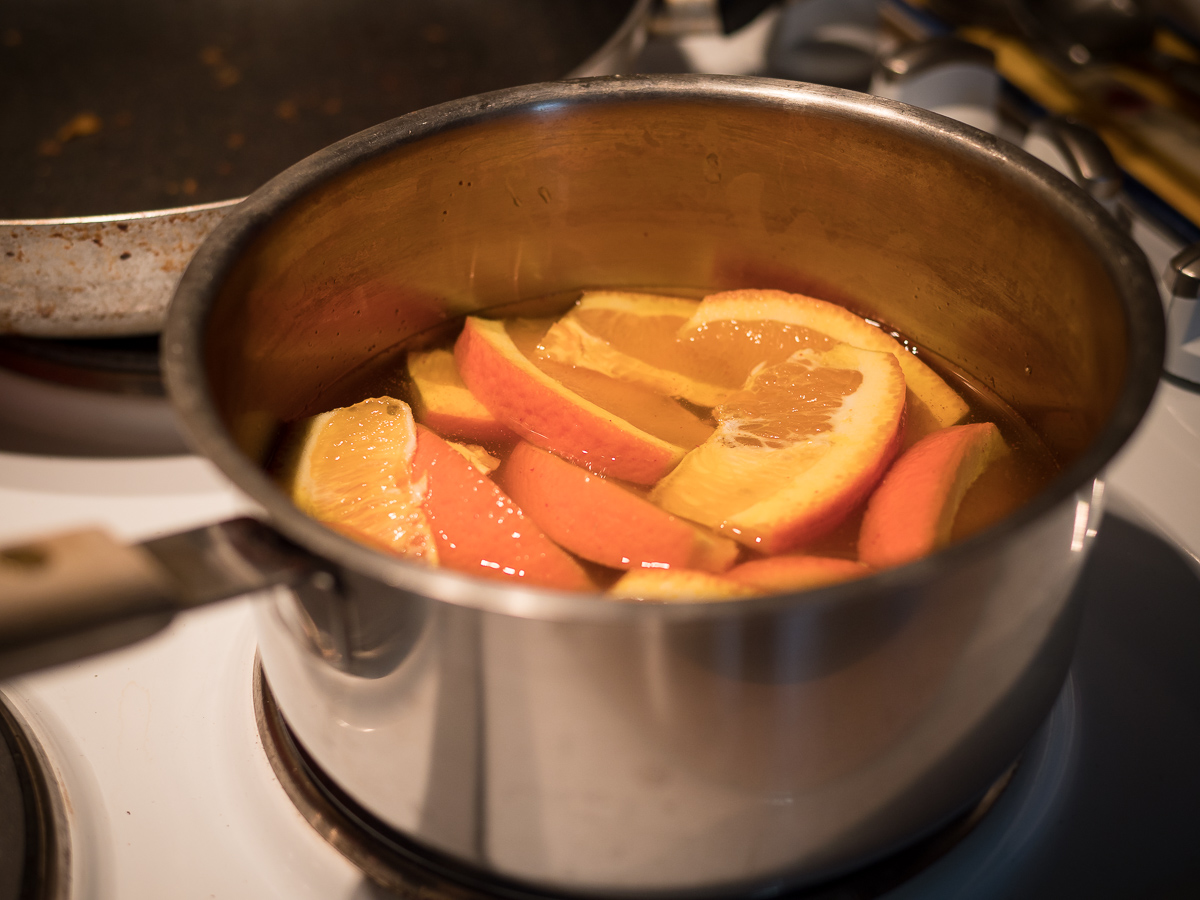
{"x": 78, "y": 593}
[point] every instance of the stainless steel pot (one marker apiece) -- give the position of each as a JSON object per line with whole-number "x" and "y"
{"x": 579, "y": 744}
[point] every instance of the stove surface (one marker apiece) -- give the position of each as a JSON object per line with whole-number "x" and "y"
{"x": 170, "y": 793}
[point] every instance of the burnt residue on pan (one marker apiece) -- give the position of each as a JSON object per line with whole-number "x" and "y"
{"x": 140, "y": 104}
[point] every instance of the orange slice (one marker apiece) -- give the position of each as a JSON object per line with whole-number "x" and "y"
{"x": 352, "y": 467}
{"x": 796, "y": 451}
{"x": 912, "y": 511}
{"x": 604, "y": 522}
{"x": 796, "y": 573}
{"x": 742, "y": 329}
{"x": 442, "y": 402}
{"x": 634, "y": 337}
{"x": 677, "y": 586}
{"x": 480, "y": 530}
{"x": 551, "y": 416}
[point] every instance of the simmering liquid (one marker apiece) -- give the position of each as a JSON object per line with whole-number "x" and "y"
{"x": 715, "y": 358}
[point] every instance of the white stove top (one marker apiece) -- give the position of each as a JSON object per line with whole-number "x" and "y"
{"x": 156, "y": 746}
{"x": 170, "y": 793}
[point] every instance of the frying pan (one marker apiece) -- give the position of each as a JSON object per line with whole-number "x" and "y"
{"x": 564, "y": 741}
{"x": 176, "y": 107}
{"x": 172, "y": 108}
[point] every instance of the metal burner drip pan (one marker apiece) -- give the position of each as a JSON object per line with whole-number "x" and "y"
{"x": 34, "y": 844}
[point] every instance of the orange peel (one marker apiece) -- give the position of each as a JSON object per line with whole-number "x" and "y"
{"x": 604, "y": 522}
{"x": 933, "y": 403}
{"x": 776, "y": 476}
{"x": 549, "y": 415}
{"x": 912, "y": 512}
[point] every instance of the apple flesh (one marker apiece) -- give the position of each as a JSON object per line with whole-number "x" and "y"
{"x": 677, "y": 586}
{"x": 442, "y": 402}
{"x": 549, "y": 415}
{"x": 781, "y": 574}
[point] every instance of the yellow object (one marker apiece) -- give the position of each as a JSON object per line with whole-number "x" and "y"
{"x": 1141, "y": 145}
{"x": 483, "y": 461}
{"x": 676, "y": 585}
{"x": 757, "y": 327}
{"x": 350, "y": 468}
{"x": 794, "y": 452}
{"x": 632, "y": 337}
{"x": 438, "y": 386}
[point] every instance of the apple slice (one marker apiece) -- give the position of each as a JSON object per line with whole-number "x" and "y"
{"x": 442, "y": 402}
{"x": 634, "y": 337}
{"x": 549, "y": 415}
{"x": 912, "y": 511}
{"x": 478, "y": 528}
{"x": 677, "y": 586}
{"x": 779, "y": 574}
{"x": 604, "y": 522}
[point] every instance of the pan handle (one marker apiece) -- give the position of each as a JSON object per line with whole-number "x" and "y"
{"x": 75, "y": 594}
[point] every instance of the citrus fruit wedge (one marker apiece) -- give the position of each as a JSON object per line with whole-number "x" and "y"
{"x": 795, "y": 573}
{"x": 352, "y": 468}
{"x": 604, "y": 522}
{"x": 795, "y": 452}
{"x": 912, "y": 511}
{"x": 634, "y": 337}
{"x": 478, "y": 528}
{"x": 442, "y": 402}
{"x": 549, "y": 415}
{"x": 745, "y": 328}
{"x": 677, "y": 586}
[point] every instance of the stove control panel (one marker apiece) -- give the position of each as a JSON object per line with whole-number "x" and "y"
{"x": 1183, "y": 315}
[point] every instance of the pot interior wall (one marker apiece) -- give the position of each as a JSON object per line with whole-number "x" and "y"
{"x": 956, "y": 250}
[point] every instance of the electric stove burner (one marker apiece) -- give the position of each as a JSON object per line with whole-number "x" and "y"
{"x": 124, "y": 365}
{"x": 401, "y": 865}
{"x": 93, "y": 397}
{"x": 33, "y": 833}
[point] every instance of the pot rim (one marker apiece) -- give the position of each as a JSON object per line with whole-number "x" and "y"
{"x": 184, "y": 334}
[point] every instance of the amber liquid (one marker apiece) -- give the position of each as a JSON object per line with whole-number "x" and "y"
{"x": 1007, "y": 484}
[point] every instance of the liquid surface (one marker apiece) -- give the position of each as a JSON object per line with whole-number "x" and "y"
{"x": 791, "y": 406}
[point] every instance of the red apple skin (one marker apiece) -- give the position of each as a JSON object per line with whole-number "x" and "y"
{"x": 551, "y": 417}
{"x": 480, "y": 530}
{"x": 604, "y": 522}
